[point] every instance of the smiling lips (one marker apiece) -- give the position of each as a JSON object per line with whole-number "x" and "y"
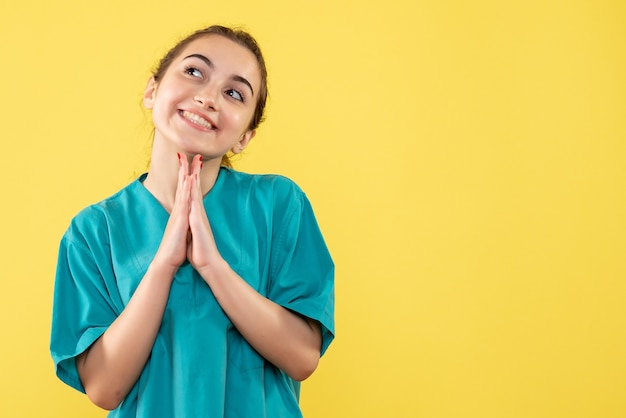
{"x": 196, "y": 119}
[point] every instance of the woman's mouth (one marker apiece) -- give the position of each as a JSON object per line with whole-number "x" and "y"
{"x": 196, "y": 119}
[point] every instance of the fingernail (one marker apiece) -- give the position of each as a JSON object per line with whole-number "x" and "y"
{"x": 201, "y": 158}
{"x": 178, "y": 155}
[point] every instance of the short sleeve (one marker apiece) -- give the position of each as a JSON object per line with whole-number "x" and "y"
{"x": 302, "y": 270}
{"x": 82, "y": 307}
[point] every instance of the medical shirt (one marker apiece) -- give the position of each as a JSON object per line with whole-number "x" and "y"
{"x": 200, "y": 366}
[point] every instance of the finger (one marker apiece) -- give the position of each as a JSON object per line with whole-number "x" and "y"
{"x": 196, "y": 164}
{"x": 196, "y": 190}
{"x": 184, "y": 163}
{"x": 197, "y": 214}
{"x": 181, "y": 172}
{"x": 181, "y": 195}
{"x": 196, "y": 194}
{"x": 179, "y": 217}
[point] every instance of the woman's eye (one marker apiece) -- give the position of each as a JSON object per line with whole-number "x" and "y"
{"x": 194, "y": 72}
{"x": 235, "y": 94}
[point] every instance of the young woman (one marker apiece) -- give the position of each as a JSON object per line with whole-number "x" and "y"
{"x": 197, "y": 290}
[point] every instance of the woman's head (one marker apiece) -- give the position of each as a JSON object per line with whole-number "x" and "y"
{"x": 237, "y": 36}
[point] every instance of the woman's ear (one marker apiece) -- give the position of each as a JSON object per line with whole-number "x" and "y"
{"x": 244, "y": 141}
{"x": 150, "y": 93}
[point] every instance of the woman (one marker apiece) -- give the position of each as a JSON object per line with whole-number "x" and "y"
{"x": 197, "y": 290}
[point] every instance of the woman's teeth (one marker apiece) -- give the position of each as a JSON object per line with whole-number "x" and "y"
{"x": 198, "y": 120}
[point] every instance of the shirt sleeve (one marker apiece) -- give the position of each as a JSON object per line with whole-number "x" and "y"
{"x": 302, "y": 270}
{"x": 82, "y": 308}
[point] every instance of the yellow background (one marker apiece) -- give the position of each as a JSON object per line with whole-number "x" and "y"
{"x": 466, "y": 161}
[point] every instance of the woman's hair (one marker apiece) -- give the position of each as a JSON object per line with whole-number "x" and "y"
{"x": 238, "y": 36}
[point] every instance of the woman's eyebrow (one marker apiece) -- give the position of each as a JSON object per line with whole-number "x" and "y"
{"x": 201, "y": 57}
{"x": 244, "y": 81}
{"x": 210, "y": 64}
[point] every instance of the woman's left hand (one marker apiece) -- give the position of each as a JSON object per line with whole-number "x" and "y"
{"x": 201, "y": 248}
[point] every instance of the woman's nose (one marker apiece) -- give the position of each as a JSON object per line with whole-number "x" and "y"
{"x": 207, "y": 97}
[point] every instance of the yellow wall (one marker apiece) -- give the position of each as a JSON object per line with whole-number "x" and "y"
{"x": 466, "y": 160}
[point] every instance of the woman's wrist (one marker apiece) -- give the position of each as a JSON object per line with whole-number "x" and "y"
{"x": 161, "y": 268}
{"x": 216, "y": 268}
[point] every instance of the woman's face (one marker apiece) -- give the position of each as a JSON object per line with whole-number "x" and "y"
{"x": 206, "y": 99}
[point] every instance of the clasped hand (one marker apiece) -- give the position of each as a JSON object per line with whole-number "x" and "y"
{"x": 188, "y": 234}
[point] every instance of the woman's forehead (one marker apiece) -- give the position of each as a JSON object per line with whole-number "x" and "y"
{"x": 223, "y": 52}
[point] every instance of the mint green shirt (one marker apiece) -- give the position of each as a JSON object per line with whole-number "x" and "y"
{"x": 200, "y": 366}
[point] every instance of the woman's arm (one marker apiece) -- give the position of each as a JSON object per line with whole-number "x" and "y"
{"x": 286, "y": 339}
{"x": 110, "y": 367}
{"x": 289, "y": 341}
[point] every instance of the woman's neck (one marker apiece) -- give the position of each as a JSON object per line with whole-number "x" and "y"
{"x": 163, "y": 172}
